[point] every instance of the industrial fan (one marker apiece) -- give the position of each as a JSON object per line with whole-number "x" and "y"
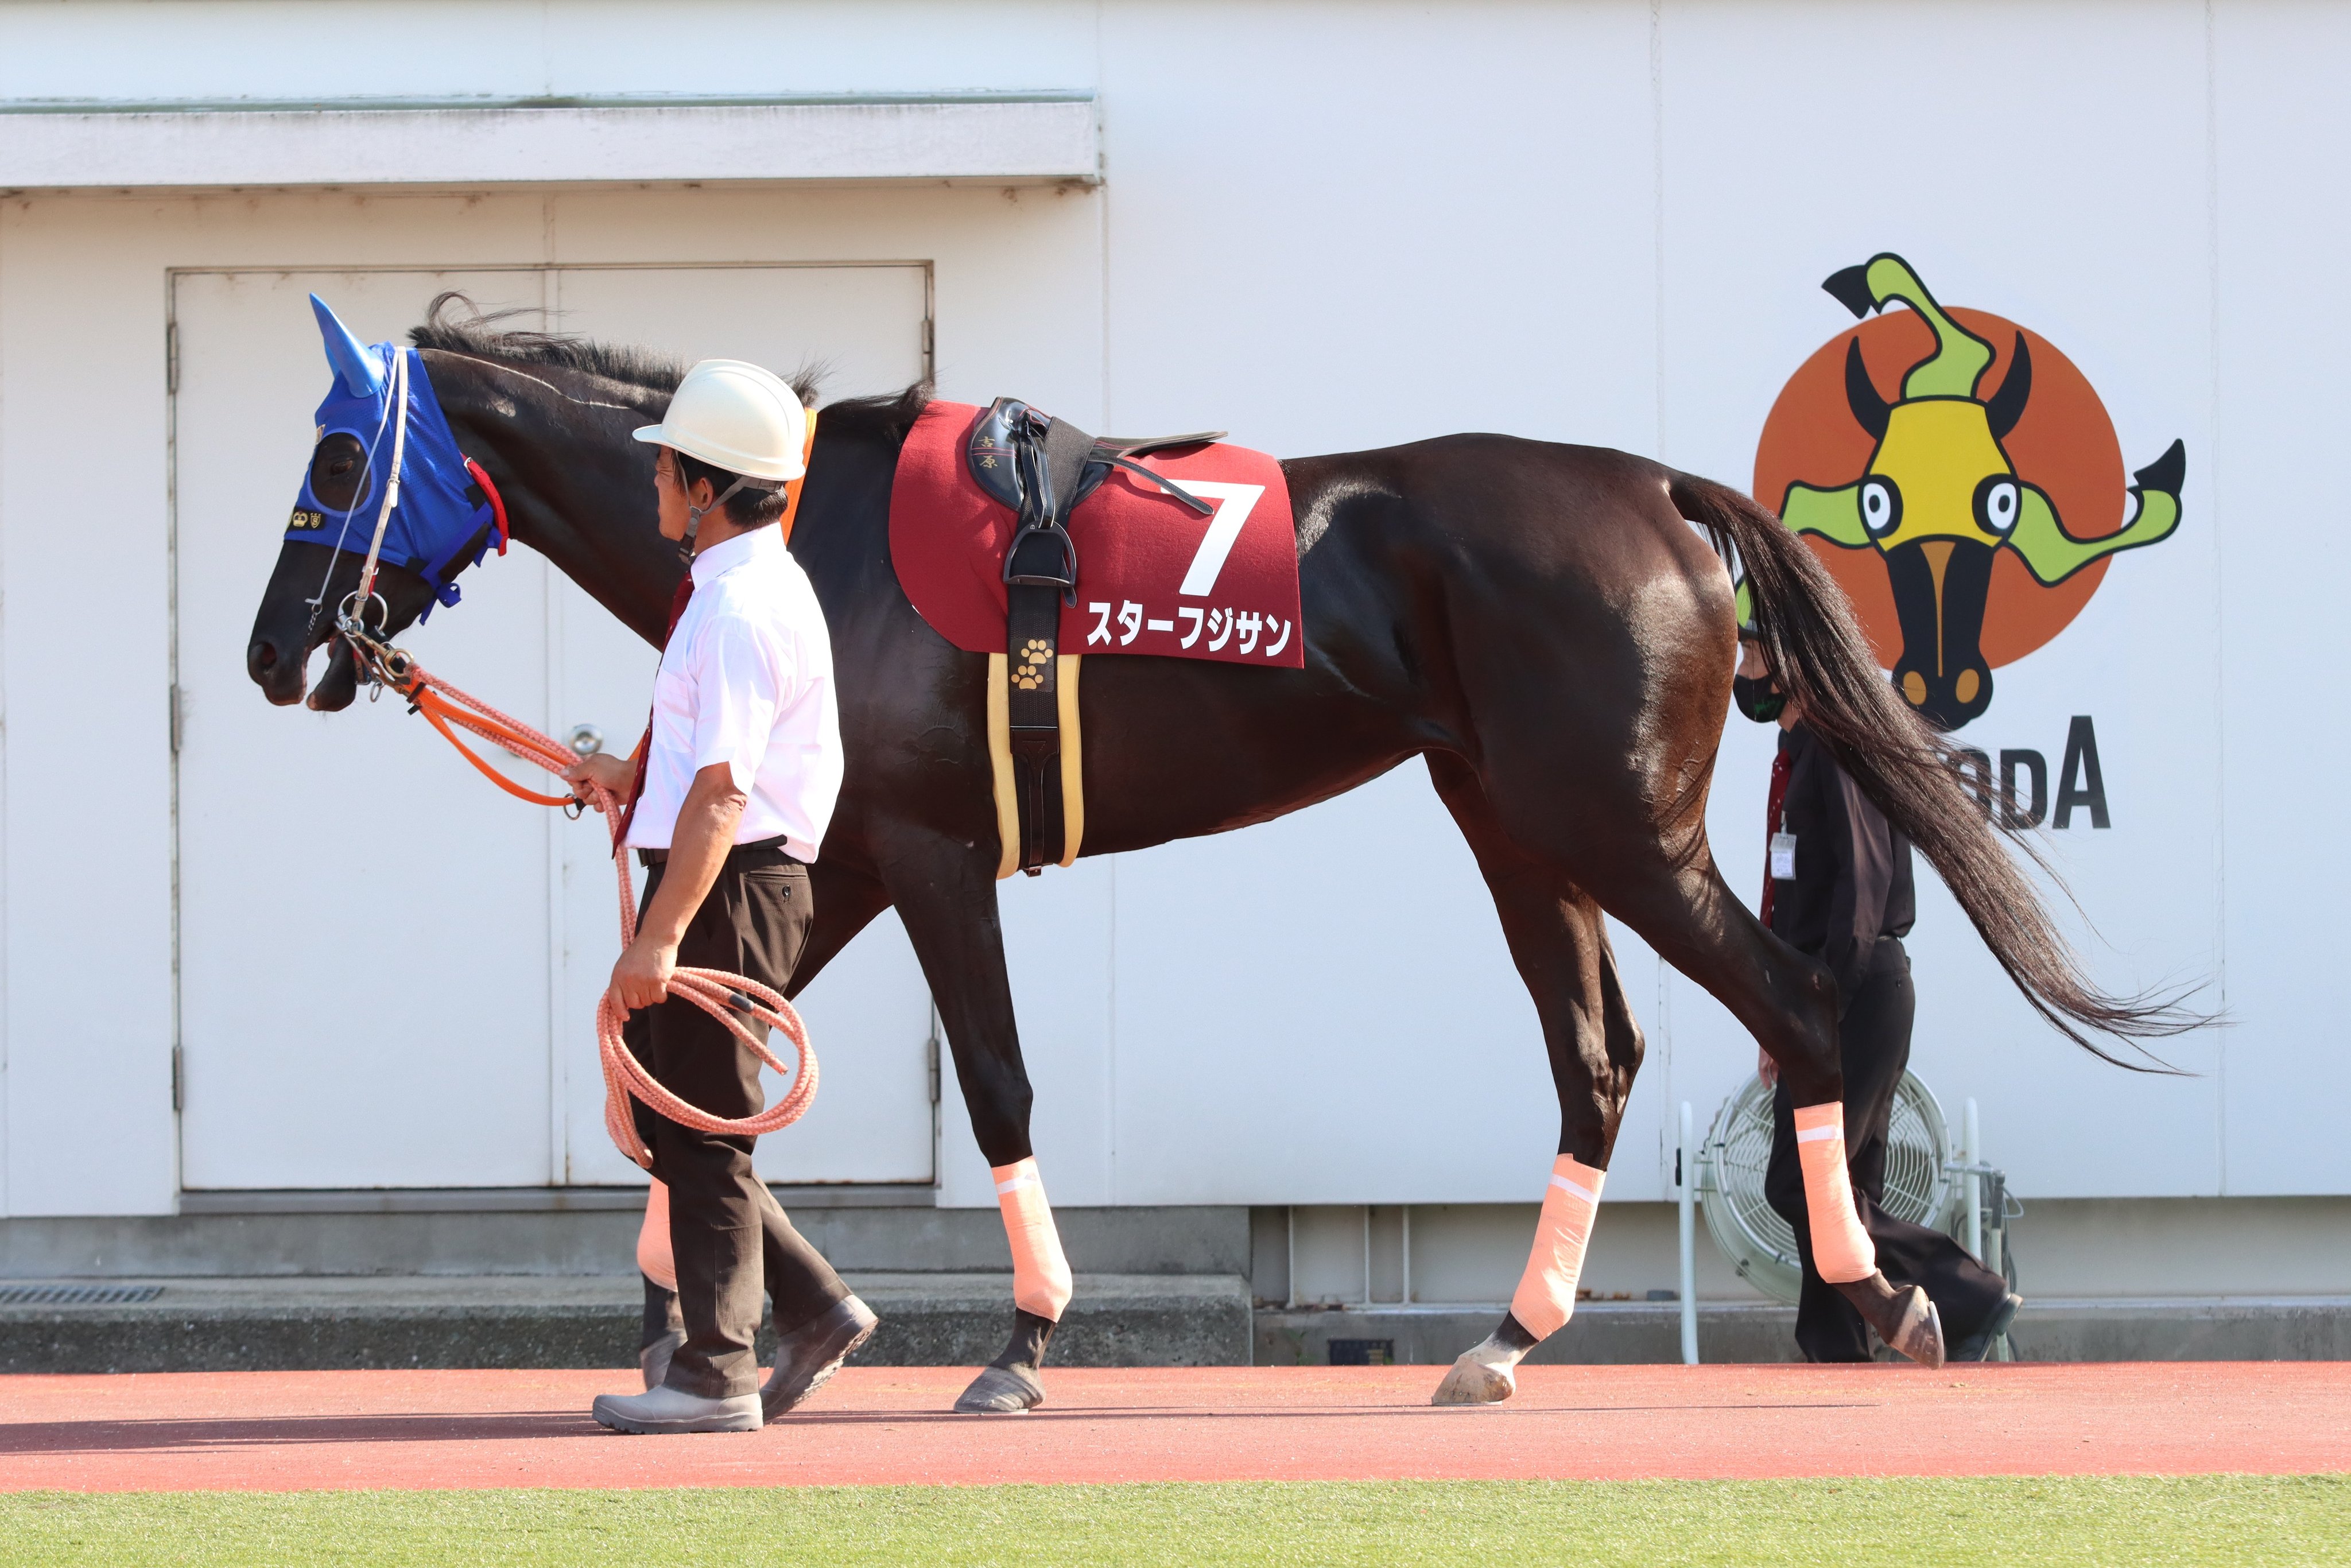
{"x": 1921, "y": 1184}
{"x": 1925, "y": 1185}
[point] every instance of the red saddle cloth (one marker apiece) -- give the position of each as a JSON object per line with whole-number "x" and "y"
{"x": 1153, "y": 576}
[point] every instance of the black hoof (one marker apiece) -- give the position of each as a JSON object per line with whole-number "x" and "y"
{"x": 1905, "y": 1319}
{"x": 1010, "y": 1384}
{"x": 1001, "y": 1391}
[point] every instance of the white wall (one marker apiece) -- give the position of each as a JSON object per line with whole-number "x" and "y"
{"x": 1330, "y": 227}
{"x": 84, "y": 644}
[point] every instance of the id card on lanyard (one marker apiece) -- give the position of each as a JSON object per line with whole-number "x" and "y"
{"x": 1783, "y": 853}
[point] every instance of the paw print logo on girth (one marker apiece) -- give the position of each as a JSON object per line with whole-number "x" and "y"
{"x": 1029, "y": 674}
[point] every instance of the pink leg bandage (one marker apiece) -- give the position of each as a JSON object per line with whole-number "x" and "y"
{"x": 1546, "y": 1296}
{"x": 1841, "y": 1248}
{"x": 654, "y": 1256}
{"x": 1041, "y": 1275}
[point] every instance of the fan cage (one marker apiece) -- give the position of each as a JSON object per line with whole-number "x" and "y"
{"x": 1749, "y": 1231}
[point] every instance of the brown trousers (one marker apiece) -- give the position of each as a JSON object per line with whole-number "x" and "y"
{"x": 726, "y": 1231}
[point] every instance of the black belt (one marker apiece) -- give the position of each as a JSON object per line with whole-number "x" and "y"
{"x": 745, "y": 852}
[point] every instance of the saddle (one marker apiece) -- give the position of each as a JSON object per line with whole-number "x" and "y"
{"x": 1040, "y": 468}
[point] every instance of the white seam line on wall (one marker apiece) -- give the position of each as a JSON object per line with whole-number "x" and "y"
{"x": 555, "y": 844}
{"x": 2219, "y": 586}
{"x": 176, "y": 738}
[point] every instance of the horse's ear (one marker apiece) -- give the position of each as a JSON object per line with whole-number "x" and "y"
{"x": 351, "y": 359}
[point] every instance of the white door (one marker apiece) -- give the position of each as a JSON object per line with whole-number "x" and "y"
{"x": 364, "y": 924}
{"x": 869, "y": 1014}
{"x": 388, "y": 969}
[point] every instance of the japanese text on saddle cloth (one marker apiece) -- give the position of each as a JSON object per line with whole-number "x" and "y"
{"x": 1108, "y": 560}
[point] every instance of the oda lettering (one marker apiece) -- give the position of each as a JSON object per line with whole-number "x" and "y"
{"x": 2020, "y": 785}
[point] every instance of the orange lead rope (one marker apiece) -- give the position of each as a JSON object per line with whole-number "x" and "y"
{"x": 727, "y": 998}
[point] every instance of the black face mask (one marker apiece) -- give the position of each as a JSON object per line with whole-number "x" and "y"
{"x": 1760, "y": 698}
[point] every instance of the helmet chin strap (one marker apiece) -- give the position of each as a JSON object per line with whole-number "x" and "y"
{"x": 694, "y": 514}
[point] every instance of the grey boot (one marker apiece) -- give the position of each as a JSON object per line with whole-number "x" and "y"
{"x": 806, "y": 1357}
{"x": 666, "y": 1410}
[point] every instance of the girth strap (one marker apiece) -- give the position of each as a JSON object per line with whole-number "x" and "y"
{"x": 1041, "y": 468}
{"x": 1038, "y": 464}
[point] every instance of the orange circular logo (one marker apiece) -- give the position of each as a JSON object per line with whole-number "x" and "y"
{"x": 1959, "y": 477}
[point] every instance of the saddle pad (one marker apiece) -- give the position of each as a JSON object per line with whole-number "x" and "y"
{"x": 1153, "y": 576}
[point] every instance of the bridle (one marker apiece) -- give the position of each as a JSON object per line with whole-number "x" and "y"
{"x": 487, "y": 521}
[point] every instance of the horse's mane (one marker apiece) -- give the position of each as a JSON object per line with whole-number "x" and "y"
{"x": 455, "y": 324}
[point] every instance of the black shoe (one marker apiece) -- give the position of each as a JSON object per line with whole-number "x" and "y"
{"x": 1978, "y": 1345}
{"x": 809, "y": 1356}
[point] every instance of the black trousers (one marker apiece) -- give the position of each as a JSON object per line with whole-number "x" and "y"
{"x": 728, "y": 1235}
{"x": 1874, "y": 1040}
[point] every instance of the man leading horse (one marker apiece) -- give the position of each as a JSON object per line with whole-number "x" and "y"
{"x": 729, "y": 796}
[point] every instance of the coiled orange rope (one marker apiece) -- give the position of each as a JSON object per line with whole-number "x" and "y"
{"x": 727, "y": 998}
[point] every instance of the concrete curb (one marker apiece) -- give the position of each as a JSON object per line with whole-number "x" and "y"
{"x": 962, "y": 1319}
{"x": 339, "y": 1324}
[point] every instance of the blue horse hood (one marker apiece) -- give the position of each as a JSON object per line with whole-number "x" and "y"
{"x": 446, "y": 510}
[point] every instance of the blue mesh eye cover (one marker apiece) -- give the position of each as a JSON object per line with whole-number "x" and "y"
{"x": 442, "y": 510}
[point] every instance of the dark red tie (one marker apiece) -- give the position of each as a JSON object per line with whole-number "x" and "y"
{"x": 1770, "y": 826}
{"x": 645, "y": 746}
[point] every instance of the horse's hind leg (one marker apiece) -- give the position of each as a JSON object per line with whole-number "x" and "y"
{"x": 1680, "y": 906}
{"x": 1662, "y": 881}
{"x": 1560, "y": 947}
{"x": 944, "y": 891}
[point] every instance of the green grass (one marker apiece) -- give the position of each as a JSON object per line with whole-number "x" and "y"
{"x": 2272, "y": 1522}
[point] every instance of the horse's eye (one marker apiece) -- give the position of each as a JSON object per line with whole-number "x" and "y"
{"x": 339, "y": 472}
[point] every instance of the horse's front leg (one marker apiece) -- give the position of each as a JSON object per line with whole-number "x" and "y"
{"x": 944, "y": 891}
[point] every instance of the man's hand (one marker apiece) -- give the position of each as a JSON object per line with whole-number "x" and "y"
{"x": 704, "y": 831}
{"x": 613, "y": 773}
{"x": 640, "y": 979}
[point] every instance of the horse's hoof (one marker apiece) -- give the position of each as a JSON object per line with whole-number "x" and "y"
{"x": 1475, "y": 1383}
{"x": 1918, "y": 1330}
{"x": 1001, "y": 1391}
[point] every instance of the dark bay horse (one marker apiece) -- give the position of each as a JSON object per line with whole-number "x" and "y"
{"x": 1540, "y": 622}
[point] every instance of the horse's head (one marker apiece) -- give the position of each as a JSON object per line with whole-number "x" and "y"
{"x": 440, "y": 515}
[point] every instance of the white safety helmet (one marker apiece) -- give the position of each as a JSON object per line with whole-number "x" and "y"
{"x": 737, "y": 417}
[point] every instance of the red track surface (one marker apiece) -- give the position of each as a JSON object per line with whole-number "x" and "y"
{"x": 291, "y": 1431}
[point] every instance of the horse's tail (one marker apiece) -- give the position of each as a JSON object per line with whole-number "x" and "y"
{"x": 1826, "y": 665}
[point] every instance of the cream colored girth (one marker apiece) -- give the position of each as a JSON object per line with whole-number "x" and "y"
{"x": 999, "y": 757}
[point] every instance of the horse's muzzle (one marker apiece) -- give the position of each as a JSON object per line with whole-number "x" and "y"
{"x": 276, "y": 669}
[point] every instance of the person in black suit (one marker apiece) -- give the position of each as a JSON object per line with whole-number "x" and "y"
{"x": 1838, "y": 887}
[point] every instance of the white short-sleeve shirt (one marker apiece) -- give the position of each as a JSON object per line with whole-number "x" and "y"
{"x": 747, "y": 680}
